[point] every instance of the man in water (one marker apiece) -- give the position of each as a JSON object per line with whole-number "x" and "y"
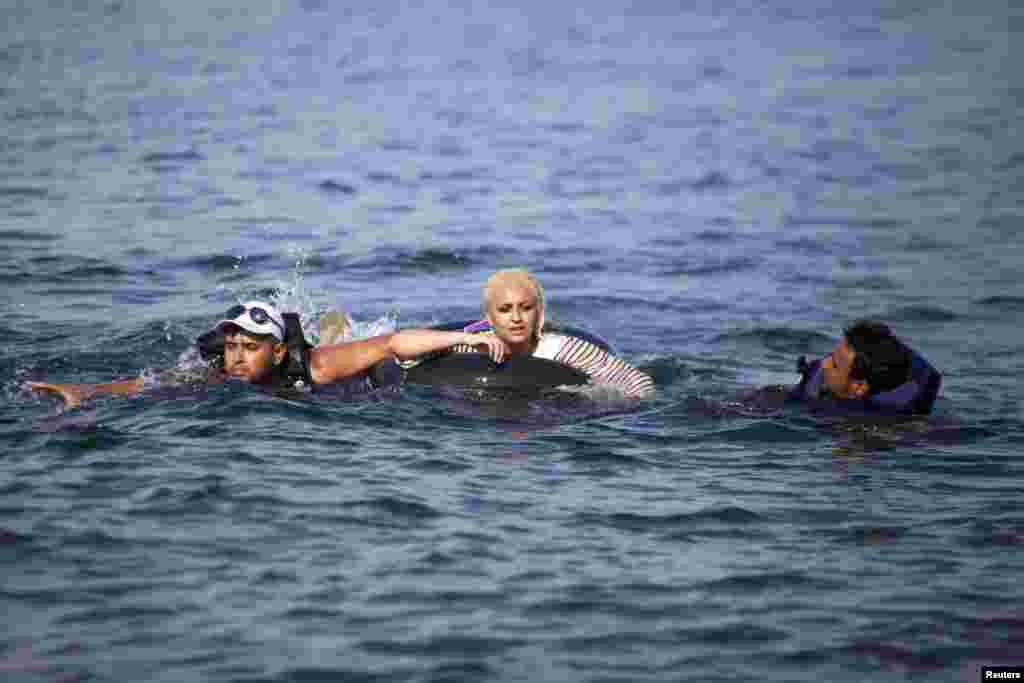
{"x": 869, "y": 370}
{"x": 253, "y": 342}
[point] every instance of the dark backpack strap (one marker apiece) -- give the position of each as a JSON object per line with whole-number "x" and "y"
{"x": 211, "y": 346}
{"x": 807, "y": 372}
{"x": 297, "y": 367}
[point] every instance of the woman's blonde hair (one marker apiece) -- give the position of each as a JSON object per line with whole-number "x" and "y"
{"x": 516, "y": 276}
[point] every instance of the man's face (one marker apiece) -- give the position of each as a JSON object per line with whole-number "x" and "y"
{"x": 836, "y": 368}
{"x": 251, "y": 359}
{"x": 513, "y": 311}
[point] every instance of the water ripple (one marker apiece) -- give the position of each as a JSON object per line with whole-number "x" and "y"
{"x": 427, "y": 260}
{"x": 25, "y": 192}
{"x": 682, "y": 522}
{"x": 27, "y": 236}
{"x": 307, "y": 674}
{"x": 337, "y": 188}
{"x": 443, "y": 646}
{"x": 923, "y": 314}
{"x": 714, "y": 265}
{"x": 732, "y": 636}
{"x": 390, "y": 509}
{"x": 770, "y": 582}
{"x": 778, "y": 338}
{"x": 172, "y": 158}
{"x": 1014, "y": 304}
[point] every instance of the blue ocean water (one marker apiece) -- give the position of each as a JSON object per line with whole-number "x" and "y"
{"x": 714, "y": 187}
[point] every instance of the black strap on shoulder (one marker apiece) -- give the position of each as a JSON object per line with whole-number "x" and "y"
{"x": 807, "y": 370}
{"x": 296, "y": 368}
{"x": 211, "y": 347}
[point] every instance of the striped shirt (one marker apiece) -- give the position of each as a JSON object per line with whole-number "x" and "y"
{"x": 599, "y": 365}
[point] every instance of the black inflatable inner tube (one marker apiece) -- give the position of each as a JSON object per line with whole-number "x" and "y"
{"x": 477, "y": 370}
{"x": 526, "y": 373}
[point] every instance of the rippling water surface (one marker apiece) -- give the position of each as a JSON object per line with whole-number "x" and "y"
{"x": 714, "y": 187}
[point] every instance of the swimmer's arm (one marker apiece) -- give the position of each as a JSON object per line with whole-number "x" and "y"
{"x": 337, "y": 361}
{"x": 74, "y": 394}
{"x": 408, "y": 344}
{"x": 634, "y": 382}
{"x": 604, "y": 368}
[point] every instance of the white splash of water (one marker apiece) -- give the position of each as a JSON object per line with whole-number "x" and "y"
{"x": 293, "y": 295}
{"x": 598, "y": 392}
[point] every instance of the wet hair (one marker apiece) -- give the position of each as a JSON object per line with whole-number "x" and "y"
{"x": 518, "y": 274}
{"x": 882, "y": 360}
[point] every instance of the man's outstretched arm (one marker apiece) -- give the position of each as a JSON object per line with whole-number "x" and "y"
{"x": 74, "y": 394}
{"x": 338, "y": 361}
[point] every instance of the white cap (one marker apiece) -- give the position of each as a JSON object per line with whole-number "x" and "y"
{"x": 273, "y": 321}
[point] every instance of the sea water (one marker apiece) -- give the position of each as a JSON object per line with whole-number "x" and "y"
{"x": 716, "y": 188}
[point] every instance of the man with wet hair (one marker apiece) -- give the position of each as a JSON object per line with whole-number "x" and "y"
{"x": 513, "y": 306}
{"x": 868, "y": 360}
{"x": 252, "y": 344}
{"x": 869, "y": 370}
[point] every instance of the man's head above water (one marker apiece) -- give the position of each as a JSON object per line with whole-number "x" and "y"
{"x": 254, "y": 341}
{"x": 868, "y": 360}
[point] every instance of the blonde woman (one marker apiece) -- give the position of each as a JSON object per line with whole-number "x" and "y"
{"x": 513, "y": 305}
